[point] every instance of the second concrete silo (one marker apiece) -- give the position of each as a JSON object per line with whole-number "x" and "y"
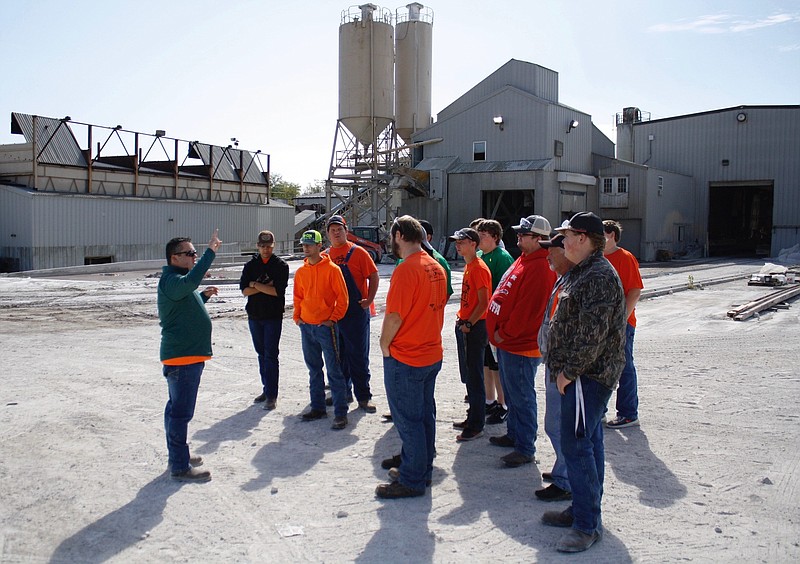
{"x": 414, "y": 52}
{"x": 366, "y": 77}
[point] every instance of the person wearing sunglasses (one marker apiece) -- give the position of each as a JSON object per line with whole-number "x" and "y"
{"x": 185, "y": 345}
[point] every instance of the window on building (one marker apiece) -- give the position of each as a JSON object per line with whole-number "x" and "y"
{"x": 660, "y": 185}
{"x": 615, "y": 192}
{"x": 479, "y": 150}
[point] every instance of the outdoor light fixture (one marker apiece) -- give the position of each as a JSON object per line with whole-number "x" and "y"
{"x": 160, "y": 133}
{"x": 66, "y": 118}
{"x": 235, "y": 141}
{"x": 572, "y": 125}
{"x": 498, "y": 121}
{"x": 118, "y": 128}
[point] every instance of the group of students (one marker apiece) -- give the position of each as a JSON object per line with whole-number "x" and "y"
{"x": 568, "y": 302}
{"x": 569, "y": 313}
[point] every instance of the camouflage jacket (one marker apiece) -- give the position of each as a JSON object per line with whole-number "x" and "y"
{"x": 587, "y": 332}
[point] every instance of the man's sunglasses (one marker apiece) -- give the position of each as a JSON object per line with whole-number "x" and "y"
{"x": 187, "y": 253}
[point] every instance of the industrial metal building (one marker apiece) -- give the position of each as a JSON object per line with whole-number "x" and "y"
{"x": 62, "y": 204}
{"x": 719, "y": 182}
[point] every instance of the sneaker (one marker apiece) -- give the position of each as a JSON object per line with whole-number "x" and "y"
{"x": 339, "y": 423}
{"x": 621, "y": 422}
{"x": 468, "y": 435}
{"x": 368, "y": 406}
{"x": 192, "y": 475}
{"x": 558, "y": 518}
{"x": 329, "y": 399}
{"x": 270, "y": 404}
{"x": 393, "y": 462}
{"x": 313, "y": 415}
{"x": 259, "y": 398}
{"x": 504, "y": 441}
{"x": 387, "y": 417}
{"x": 499, "y": 415}
{"x": 576, "y": 541}
{"x": 460, "y": 425}
{"x": 516, "y": 459}
{"x": 490, "y": 407}
{"x": 553, "y": 493}
{"x": 547, "y": 476}
{"x": 396, "y": 490}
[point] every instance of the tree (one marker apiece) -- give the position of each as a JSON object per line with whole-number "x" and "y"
{"x": 283, "y": 189}
{"x": 315, "y": 187}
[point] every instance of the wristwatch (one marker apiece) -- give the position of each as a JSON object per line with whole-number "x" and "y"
{"x": 468, "y": 324}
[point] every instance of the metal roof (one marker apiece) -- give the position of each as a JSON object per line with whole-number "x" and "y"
{"x": 55, "y": 142}
{"x": 227, "y": 161}
{"x": 503, "y": 166}
{"x": 436, "y": 163}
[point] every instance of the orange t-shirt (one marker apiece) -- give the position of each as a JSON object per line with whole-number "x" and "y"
{"x": 418, "y": 294}
{"x": 627, "y": 268}
{"x": 476, "y": 276}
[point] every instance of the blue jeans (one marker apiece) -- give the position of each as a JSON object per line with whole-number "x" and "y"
{"x": 628, "y": 392}
{"x": 471, "y": 349}
{"x": 182, "y": 385}
{"x": 409, "y": 390}
{"x": 266, "y": 334}
{"x": 354, "y": 351}
{"x": 319, "y": 341}
{"x": 584, "y": 453}
{"x": 517, "y": 376}
{"x": 552, "y": 426}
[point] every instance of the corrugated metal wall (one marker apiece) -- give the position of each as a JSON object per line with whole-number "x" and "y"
{"x": 61, "y": 229}
{"x": 764, "y": 146}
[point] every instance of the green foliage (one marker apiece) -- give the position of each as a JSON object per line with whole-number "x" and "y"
{"x": 283, "y": 189}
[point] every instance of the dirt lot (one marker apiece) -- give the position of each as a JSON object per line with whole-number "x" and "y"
{"x": 711, "y": 474}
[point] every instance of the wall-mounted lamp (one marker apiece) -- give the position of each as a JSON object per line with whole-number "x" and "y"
{"x": 66, "y": 118}
{"x": 235, "y": 141}
{"x": 572, "y": 125}
{"x": 160, "y": 133}
{"x": 118, "y": 128}
{"x": 498, "y": 121}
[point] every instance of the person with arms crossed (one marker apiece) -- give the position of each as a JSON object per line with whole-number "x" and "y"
{"x": 411, "y": 344}
{"x": 263, "y": 281}
{"x": 185, "y": 346}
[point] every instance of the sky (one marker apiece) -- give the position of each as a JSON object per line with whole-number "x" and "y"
{"x": 266, "y": 71}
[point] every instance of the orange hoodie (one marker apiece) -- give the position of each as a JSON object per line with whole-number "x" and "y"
{"x": 320, "y": 292}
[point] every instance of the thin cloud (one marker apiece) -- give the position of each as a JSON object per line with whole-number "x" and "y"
{"x": 789, "y": 48}
{"x": 723, "y": 23}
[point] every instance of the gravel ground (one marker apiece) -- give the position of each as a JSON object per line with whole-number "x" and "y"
{"x": 711, "y": 474}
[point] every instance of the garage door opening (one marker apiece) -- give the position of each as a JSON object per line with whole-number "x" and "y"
{"x": 740, "y": 219}
{"x": 507, "y": 206}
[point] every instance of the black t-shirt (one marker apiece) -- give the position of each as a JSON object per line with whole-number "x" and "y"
{"x": 262, "y": 306}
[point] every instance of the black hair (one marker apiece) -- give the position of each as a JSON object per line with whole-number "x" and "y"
{"x": 174, "y": 244}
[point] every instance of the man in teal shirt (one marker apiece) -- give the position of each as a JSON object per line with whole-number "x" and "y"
{"x": 185, "y": 346}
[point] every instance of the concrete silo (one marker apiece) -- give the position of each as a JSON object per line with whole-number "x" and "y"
{"x": 366, "y": 71}
{"x": 414, "y": 54}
